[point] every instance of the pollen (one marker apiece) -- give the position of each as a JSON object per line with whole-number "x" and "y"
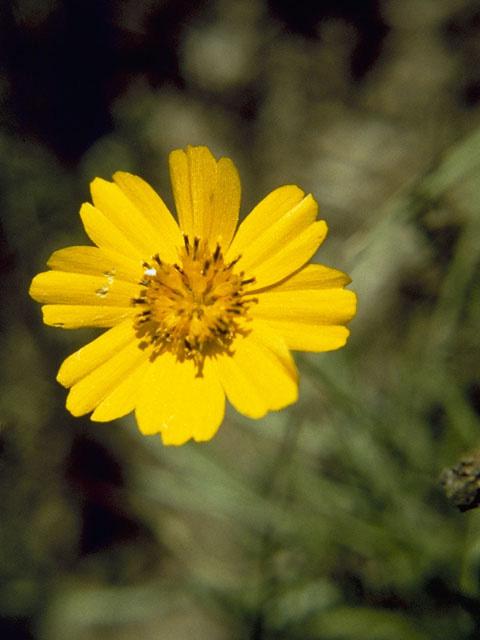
{"x": 194, "y": 306}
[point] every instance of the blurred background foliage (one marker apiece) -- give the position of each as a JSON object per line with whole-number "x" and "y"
{"x": 325, "y": 521}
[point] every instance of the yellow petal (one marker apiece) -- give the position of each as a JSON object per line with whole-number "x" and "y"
{"x": 105, "y": 234}
{"x": 152, "y": 207}
{"x": 301, "y": 336}
{"x": 65, "y": 316}
{"x": 308, "y": 308}
{"x": 129, "y": 220}
{"x": 272, "y": 208}
{"x": 224, "y": 218}
{"x": 91, "y": 390}
{"x": 312, "y": 276}
{"x": 207, "y": 194}
{"x": 96, "y": 262}
{"x": 279, "y": 235}
{"x": 322, "y": 306}
{"x": 287, "y": 258}
{"x": 180, "y": 178}
{"x": 95, "y": 353}
{"x": 60, "y": 287}
{"x": 178, "y": 403}
{"x": 260, "y": 375}
{"x": 123, "y": 398}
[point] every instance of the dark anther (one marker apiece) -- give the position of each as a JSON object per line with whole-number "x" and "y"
{"x": 196, "y": 242}
{"x": 187, "y": 244}
{"x": 216, "y": 255}
{"x": 143, "y": 317}
{"x": 232, "y": 263}
{"x": 222, "y": 330}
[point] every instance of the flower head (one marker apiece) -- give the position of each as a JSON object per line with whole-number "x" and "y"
{"x": 194, "y": 311}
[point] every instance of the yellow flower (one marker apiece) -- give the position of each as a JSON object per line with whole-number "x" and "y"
{"x": 195, "y": 312}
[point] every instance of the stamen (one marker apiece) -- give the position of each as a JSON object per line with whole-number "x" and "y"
{"x": 232, "y": 263}
{"x": 191, "y": 306}
{"x": 196, "y": 242}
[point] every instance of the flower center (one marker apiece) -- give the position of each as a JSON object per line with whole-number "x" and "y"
{"x": 190, "y": 307}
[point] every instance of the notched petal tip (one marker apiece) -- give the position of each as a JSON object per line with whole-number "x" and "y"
{"x": 46, "y": 319}
{"x": 354, "y": 302}
{"x": 75, "y": 408}
{"x": 349, "y": 306}
{"x": 200, "y": 149}
{"x": 176, "y": 155}
{"x": 98, "y": 183}
{"x": 61, "y": 378}
{"x": 174, "y": 441}
{"x": 36, "y": 289}
{"x": 118, "y": 175}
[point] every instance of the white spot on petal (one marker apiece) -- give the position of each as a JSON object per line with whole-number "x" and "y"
{"x": 110, "y": 275}
{"x": 102, "y": 292}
